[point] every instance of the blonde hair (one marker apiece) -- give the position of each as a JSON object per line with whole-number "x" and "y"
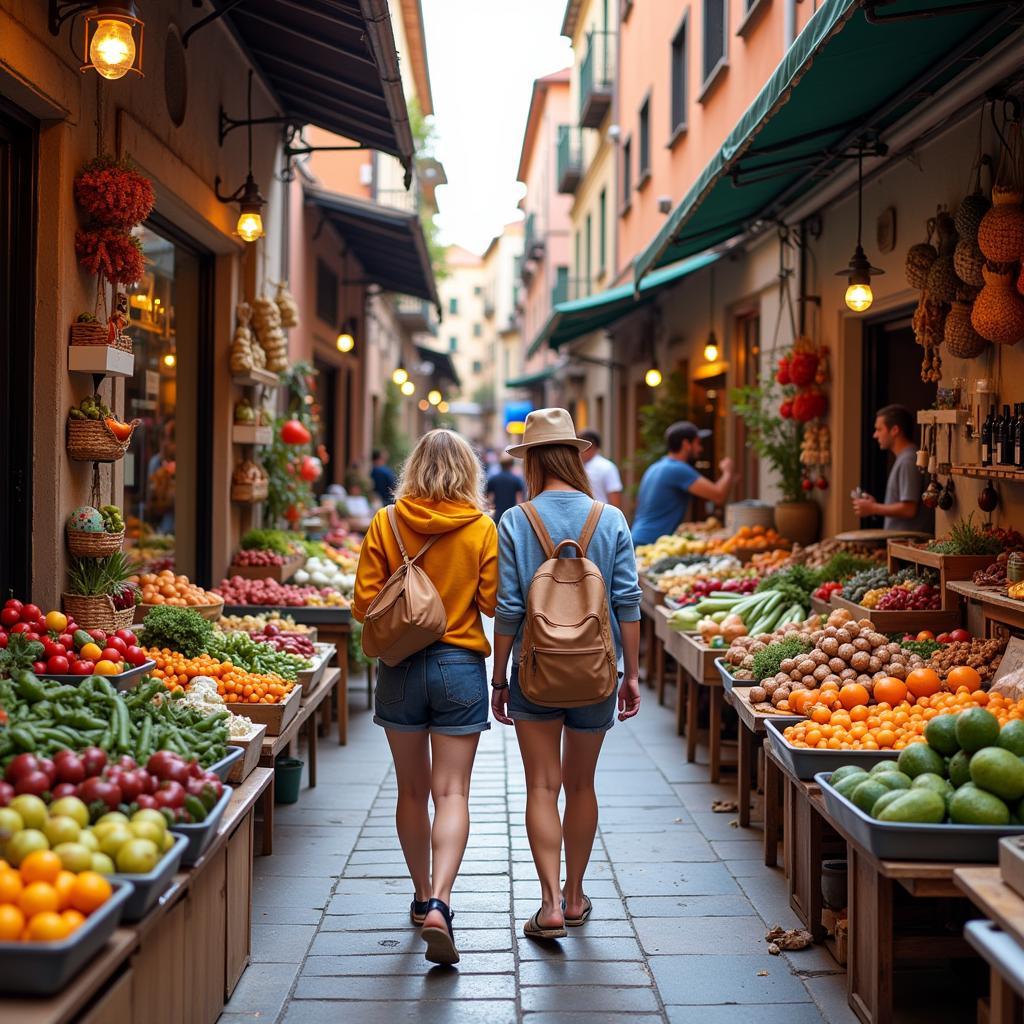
{"x": 443, "y": 467}
{"x": 558, "y": 460}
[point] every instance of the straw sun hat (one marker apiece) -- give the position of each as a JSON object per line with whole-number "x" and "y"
{"x": 548, "y": 426}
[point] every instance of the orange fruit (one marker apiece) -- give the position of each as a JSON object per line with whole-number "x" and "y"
{"x": 41, "y": 866}
{"x": 10, "y": 886}
{"x": 64, "y": 884}
{"x": 37, "y": 898}
{"x": 91, "y": 890}
{"x": 47, "y": 926}
{"x": 923, "y": 682}
{"x": 12, "y": 923}
{"x": 73, "y": 919}
{"x": 890, "y": 689}
{"x": 963, "y": 675}
{"x": 853, "y": 695}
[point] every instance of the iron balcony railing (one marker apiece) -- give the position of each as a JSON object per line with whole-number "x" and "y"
{"x": 416, "y": 314}
{"x": 597, "y": 78}
{"x": 569, "y": 158}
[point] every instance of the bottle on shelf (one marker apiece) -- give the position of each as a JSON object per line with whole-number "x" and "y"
{"x": 999, "y": 436}
{"x": 1018, "y": 447}
{"x": 987, "y": 444}
{"x": 1008, "y": 431}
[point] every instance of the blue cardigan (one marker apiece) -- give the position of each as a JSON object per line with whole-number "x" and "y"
{"x": 520, "y": 554}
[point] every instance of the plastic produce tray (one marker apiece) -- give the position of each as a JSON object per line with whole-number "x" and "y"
{"x": 728, "y": 679}
{"x": 200, "y": 835}
{"x": 122, "y": 681}
{"x": 148, "y": 888}
{"x": 304, "y": 614}
{"x": 899, "y": 840}
{"x": 222, "y": 768}
{"x": 308, "y": 678}
{"x": 44, "y": 968}
{"x": 805, "y": 764}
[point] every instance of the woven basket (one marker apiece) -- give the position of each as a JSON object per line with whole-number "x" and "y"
{"x": 94, "y": 545}
{"x": 97, "y": 335}
{"x": 969, "y": 213}
{"x": 1001, "y": 232}
{"x": 212, "y": 612}
{"x": 942, "y": 282}
{"x": 968, "y": 262}
{"x": 962, "y": 340}
{"x": 92, "y": 441}
{"x": 998, "y": 312}
{"x": 920, "y": 257}
{"x": 250, "y": 493}
{"x": 97, "y": 612}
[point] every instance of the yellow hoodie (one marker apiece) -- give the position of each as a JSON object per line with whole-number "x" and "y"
{"x": 463, "y": 567}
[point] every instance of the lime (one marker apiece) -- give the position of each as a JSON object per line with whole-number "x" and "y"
{"x": 976, "y": 728}
{"x": 940, "y": 733}
{"x": 998, "y": 771}
{"x": 920, "y": 759}
{"x": 1011, "y": 737}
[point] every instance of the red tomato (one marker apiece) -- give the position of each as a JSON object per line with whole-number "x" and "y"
{"x": 36, "y": 783}
{"x": 67, "y": 640}
{"x": 58, "y": 665}
{"x": 83, "y": 668}
{"x": 15, "y": 604}
{"x": 3, "y": 638}
{"x": 21, "y": 627}
{"x": 959, "y": 636}
{"x": 22, "y": 765}
{"x": 31, "y": 613}
{"x": 136, "y": 655}
{"x": 39, "y": 667}
{"x": 9, "y": 616}
{"x": 112, "y": 654}
{"x": 115, "y": 643}
{"x": 127, "y": 636}
{"x": 99, "y": 636}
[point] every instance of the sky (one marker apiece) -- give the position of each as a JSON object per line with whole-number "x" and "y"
{"x": 483, "y": 56}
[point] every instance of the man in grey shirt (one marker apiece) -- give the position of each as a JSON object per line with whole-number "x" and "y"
{"x": 902, "y": 508}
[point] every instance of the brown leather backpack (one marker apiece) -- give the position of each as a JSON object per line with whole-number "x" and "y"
{"x": 407, "y": 615}
{"x": 567, "y": 658}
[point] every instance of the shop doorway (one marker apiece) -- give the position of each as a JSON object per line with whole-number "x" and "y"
{"x": 17, "y": 347}
{"x": 327, "y": 401}
{"x": 891, "y": 373}
{"x": 168, "y": 472}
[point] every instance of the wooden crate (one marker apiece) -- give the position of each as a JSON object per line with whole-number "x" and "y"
{"x": 238, "y": 897}
{"x": 698, "y": 659}
{"x": 309, "y": 677}
{"x": 650, "y": 593}
{"x": 269, "y": 572}
{"x": 938, "y": 621}
{"x": 949, "y": 567}
{"x": 160, "y": 987}
{"x": 274, "y": 716}
{"x": 205, "y": 933}
{"x": 252, "y": 745}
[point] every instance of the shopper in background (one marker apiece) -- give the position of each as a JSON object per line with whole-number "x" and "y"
{"x": 663, "y": 501}
{"x": 383, "y": 477}
{"x": 902, "y": 508}
{"x": 433, "y": 705}
{"x": 602, "y": 472}
{"x": 505, "y": 488}
{"x": 560, "y": 746}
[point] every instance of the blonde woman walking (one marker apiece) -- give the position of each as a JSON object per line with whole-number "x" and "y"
{"x": 433, "y": 706}
{"x": 560, "y": 745}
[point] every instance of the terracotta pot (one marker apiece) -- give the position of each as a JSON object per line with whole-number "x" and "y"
{"x": 798, "y": 521}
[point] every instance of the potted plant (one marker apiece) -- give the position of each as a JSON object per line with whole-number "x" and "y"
{"x": 100, "y": 593}
{"x": 777, "y": 437}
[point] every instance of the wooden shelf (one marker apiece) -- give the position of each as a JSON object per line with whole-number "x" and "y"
{"x": 264, "y": 378}
{"x": 243, "y": 433}
{"x": 104, "y": 359}
{"x": 942, "y": 417}
{"x": 986, "y": 595}
{"x": 990, "y": 473}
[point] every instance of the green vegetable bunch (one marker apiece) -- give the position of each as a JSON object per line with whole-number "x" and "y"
{"x": 967, "y": 539}
{"x": 179, "y": 629}
{"x": 19, "y": 654}
{"x": 241, "y": 650}
{"x": 842, "y": 565}
{"x": 926, "y": 648}
{"x": 797, "y": 578}
{"x": 767, "y": 663}
{"x": 279, "y": 541}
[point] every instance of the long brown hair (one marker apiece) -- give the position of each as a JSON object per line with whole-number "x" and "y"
{"x": 557, "y": 460}
{"x": 442, "y": 467}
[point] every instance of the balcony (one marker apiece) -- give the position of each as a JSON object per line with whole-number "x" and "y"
{"x": 565, "y": 289}
{"x": 400, "y": 198}
{"x": 533, "y": 241}
{"x": 416, "y": 315}
{"x": 597, "y": 78}
{"x": 569, "y": 158}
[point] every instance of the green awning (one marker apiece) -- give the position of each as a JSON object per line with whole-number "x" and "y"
{"x": 845, "y": 76}
{"x": 530, "y": 379}
{"x": 571, "y": 320}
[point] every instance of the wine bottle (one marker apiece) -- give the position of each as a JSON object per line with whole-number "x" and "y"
{"x": 986, "y": 437}
{"x": 1007, "y": 435}
{"x": 1018, "y": 450}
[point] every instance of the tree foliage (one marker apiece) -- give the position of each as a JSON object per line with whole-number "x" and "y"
{"x": 669, "y": 406}
{"x": 776, "y": 440}
{"x": 389, "y": 433}
{"x": 288, "y": 491}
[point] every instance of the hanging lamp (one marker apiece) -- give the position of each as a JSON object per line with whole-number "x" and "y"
{"x": 711, "y": 349}
{"x": 250, "y": 202}
{"x": 859, "y": 273}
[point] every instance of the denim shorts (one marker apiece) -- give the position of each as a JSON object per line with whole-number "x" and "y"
{"x": 442, "y": 689}
{"x": 591, "y": 718}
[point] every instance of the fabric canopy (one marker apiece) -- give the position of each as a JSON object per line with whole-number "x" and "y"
{"x": 844, "y": 77}
{"x": 571, "y": 320}
{"x": 389, "y": 243}
{"x": 443, "y": 367}
{"x": 531, "y": 379}
{"x": 331, "y": 63}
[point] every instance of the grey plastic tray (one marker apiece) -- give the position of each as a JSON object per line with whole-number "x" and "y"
{"x": 148, "y": 888}
{"x": 304, "y": 614}
{"x": 805, "y": 764}
{"x": 122, "y": 681}
{"x": 222, "y": 768}
{"x": 200, "y": 835}
{"x": 1000, "y": 949}
{"x": 728, "y": 679}
{"x": 898, "y": 840}
{"x": 44, "y": 968}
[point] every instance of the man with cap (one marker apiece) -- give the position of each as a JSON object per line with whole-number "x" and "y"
{"x": 663, "y": 501}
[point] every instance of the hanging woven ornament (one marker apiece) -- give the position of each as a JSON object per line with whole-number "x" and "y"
{"x": 920, "y": 257}
{"x": 1001, "y": 233}
{"x": 941, "y": 283}
{"x": 287, "y": 306}
{"x": 968, "y": 261}
{"x": 962, "y": 340}
{"x": 998, "y": 312}
{"x": 974, "y": 206}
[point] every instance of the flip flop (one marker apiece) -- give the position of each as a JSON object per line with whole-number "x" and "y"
{"x": 418, "y": 911}
{"x": 533, "y": 930}
{"x": 575, "y": 922}
{"x": 440, "y": 941}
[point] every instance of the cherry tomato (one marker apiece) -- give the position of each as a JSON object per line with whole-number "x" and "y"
{"x": 58, "y": 665}
{"x": 39, "y": 667}
{"x": 9, "y": 616}
{"x": 112, "y": 654}
{"x": 67, "y": 641}
{"x": 127, "y": 636}
{"x": 136, "y": 656}
{"x": 15, "y": 604}
{"x": 21, "y": 627}
{"x": 83, "y": 668}
{"x": 115, "y": 643}
{"x": 31, "y": 613}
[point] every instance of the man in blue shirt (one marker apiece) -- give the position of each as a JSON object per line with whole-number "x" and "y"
{"x": 383, "y": 478}
{"x": 663, "y": 501}
{"x": 505, "y": 488}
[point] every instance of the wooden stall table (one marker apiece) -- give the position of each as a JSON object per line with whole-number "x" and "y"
{"x": 662, "y": 631}
{"x": 749, "y": 742}
{"x": 698, "y": 664}
{"x": 183, "y": 960}
{"x": 651, "y": 597}
{"x": 774, "y": 801}
{"x": 338, "y": 633}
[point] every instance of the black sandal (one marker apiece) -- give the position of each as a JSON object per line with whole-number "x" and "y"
{"x": 440, "y": 941}
{"x": 576, "y": 922}
{"x": 418, "y": 911}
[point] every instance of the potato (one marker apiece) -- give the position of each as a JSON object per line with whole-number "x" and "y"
{"x": 864, "y": 680}
{"x": 830, "y": 646}
{"x": 876, "y": 640}
{"x": 847, "y": 674}
{"x": 860, "y": 661}
{"x": 830, "y": 631}
{"x": 898, "y": 669}
{"x": 846, "y": 652}
{"x": 836, "y": 664}
{"x": 796, "y": 675}
{"x": 806, "y": 667}
{"x": 874, "y": 664}
{"x": 787, "y": 664}
{"x": 769, "y": 686}
{"x": 821, "y": 673}
{"x": 862, "y": 644}
{"x": 758, "y": 695}
{"x": 844, "y": 636}
{"x": 818, "y": 657}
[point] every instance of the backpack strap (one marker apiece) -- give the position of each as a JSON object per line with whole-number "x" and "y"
{"x": 589, "y": 527}
{"x": 393, "y": 520}
{"x": 533, "y": 516}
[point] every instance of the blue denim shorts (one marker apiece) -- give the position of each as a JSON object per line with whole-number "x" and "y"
{"x": 442, "y": 689}
{"x": 591, "y": 718}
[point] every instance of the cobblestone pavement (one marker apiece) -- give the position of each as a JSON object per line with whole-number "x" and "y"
{"x": 681, "y": 904}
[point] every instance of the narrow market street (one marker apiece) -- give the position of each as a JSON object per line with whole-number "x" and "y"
{"x": 681, "y": 903}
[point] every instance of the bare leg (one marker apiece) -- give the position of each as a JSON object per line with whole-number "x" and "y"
{"x": 579, "y": 825}
{"x": 540, "y": 745}
{"x": 411, "y": 753}
{"x": 449, "y": 785}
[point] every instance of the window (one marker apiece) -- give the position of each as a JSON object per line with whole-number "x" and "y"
{"x": 577, "y": 263}
{"x": 627, "y": 172}
{"x": 478, "y": 367}
{"x": 507, "y": 363}
{"x": 588, "y": 239}
{"x": 679, "y": 69}
{"x": 602, "y": 228}
{"x": 478, "y": 330}
{"x": 453, "y": 342}
{"x": 645, "y": 142}
{"x": 714, "y": 38}
{"x": 477, "y": 289}
{"x": 453, "y": 306}
{"x": 326, "y": 294}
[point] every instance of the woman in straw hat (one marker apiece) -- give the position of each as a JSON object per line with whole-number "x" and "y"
{"x": 560, "y": 746}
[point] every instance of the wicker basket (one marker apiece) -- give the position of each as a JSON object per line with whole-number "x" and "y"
{"x": 250, "y": 493}
{"x": 998, "y": 312}
{"x": 1001, "y": 232}
{"x": 969, "y": 213}
{"x": 968, "y": 262}
{"x": 962, "y": 340}
{"x": 212, "y": 612}
{"x": 94, "y": 545}
{"x": 97, "y": 335}
{"x": 92, "y": 441}
{"x": 97, "y": 612}
{"x": 919, "y": 260}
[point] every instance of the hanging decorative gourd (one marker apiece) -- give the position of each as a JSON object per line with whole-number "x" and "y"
{"x": 962, "y": 340}
{"x": 998, "y": 313}
{"x": 1001, "y": 232}
{"x": 968, "y": 261}
{"x": 941, "y": 283}
{"x": 920, "y": 257}
{"x": 969, "y": 214}
{"x": 287, "y": 306}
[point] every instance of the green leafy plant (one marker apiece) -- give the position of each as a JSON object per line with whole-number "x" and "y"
{"x": 94, "y": 577}
{"x": 967, "y": 539}
{"x": 278, "y": 541}
{"x": 288, "y": 492}
{"x": 776, "y": 440}
{"x": 179, "y": 629}
{"x": 767, "y": 662}
{"x": 390, "y": 435}
{"x": 842, "y": 565}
